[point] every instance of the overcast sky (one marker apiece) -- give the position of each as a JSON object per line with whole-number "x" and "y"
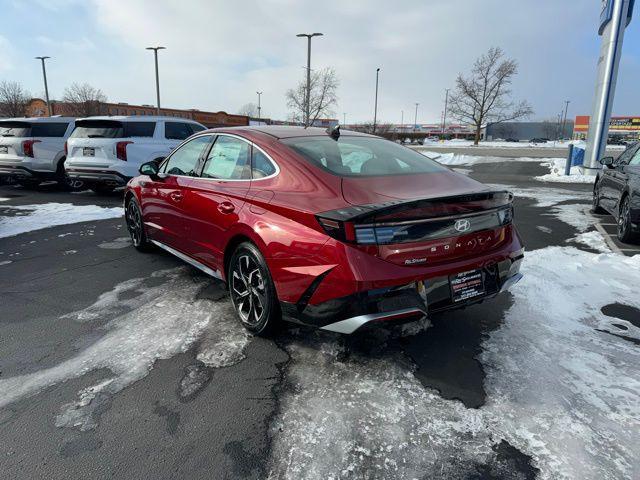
{"x": 219, "y": 53}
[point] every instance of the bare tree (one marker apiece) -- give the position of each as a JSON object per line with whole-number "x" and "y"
{"x": 249, "y": 109}
{"x": 83, "y": 100}
{"x": 382, "y": 129}
{"x": 324, "y": 84}
{"x": 484, "y": 96}
{"x": 13, "y": 99}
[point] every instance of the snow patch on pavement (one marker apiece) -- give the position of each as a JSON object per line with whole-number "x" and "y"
{"x": 557, "y": 389}
{"x": 121, "y": 242}
{"x": 146, "y": 320}
{"x": 457, "y": 159}
{"x": 26, "y": 218}
{"x": 556, "y": 173}
{"x": 593, "y": 239}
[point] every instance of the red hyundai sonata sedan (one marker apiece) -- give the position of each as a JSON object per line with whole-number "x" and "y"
{"x": 329, "y": 229}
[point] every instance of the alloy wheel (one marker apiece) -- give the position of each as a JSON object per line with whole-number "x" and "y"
{"x": 248, "y": 290}
{"x": 623, "y": 219}
{"x": 134, "y": 223}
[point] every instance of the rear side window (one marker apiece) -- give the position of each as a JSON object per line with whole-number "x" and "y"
{"x": 177, "y": 130}
{"x": 261, "y": 166}
{"x": 184, "y": 161}
{"x": 139, "y": 129}
{"x": 228, "y": 160}
{"x": 48, "y": 129}
{"x": 362, "y": 156}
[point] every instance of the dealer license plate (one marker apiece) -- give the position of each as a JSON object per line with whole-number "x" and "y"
{"x": 89, "y": 152}
{"x": 466, "y": 285}
{"x": 4, "y": 149}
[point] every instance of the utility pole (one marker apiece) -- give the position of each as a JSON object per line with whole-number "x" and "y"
{"x": 415, "y": 120}
{"x": 155, "y": 55}
{"x": 344, "y": 118}
{"x": 307, "y": 112}
{"x": 564, "y": 122}
{"x": 46, "y": 87}
{"x": 401, "y": 120}
{"x": 444, "y": 118}
{"x": 375, "y": 108}
{"x": 259, "y": 107}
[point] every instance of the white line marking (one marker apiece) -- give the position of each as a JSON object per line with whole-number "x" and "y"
{"x": 614, "y": 248}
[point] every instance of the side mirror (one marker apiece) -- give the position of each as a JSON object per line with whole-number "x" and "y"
{"x": 150, "y": 169}
{"x": 607, "y": 161}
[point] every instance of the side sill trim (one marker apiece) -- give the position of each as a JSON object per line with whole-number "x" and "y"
{"x": 350, "y": 325}
{"x": 189, "y": 260}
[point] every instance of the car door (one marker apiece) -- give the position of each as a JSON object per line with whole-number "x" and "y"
{"x": 618, "y": 177}
{"x": 163, "y": 197}
{"x": 609, "y": 192}
{"x": 217, "y": 196}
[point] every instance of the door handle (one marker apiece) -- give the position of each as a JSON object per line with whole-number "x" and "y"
{"x": 175, "y": 196}
{"x": 226, "y": 208}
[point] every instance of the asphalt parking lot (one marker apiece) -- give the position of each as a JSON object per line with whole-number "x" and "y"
{"x": 119, "y": 364}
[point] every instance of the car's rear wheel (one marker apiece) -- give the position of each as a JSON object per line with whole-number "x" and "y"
{"x": 135, "y": 226}
{"x": 596, "y": 208}
{"x": 102, "y": 189}
{"x": 253, "y": 293}
{"x": 625, "y": 233}
{"x": 65, "y": 182}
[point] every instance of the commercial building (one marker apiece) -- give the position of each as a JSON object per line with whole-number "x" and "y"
{"x": 622, "y": 128}
{"x": 527, "y": 130}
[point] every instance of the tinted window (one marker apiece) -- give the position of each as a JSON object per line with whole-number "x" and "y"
{"x": 184, "y": 161}
{"x": 196, "y": 128}
{"x": 261, "y": 166}
{"x": 228, "y": 160}
{"x": 636, "y": 159}
{"x": 362, "y": 156}
{"x": 177, "y": 130}
{"x": 14, "y": 129}
{"x": 139, "y": 129}
{"x": 48, "y": 129}
{"x": 98, "y": 129}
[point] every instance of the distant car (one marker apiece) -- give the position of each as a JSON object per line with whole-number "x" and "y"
{"x": 539, "y": 140}
{"x": 105, "y": 152}
{"x": 616, "y": 141}
{"x": 617, "y": 191}
{"x": 512, "y": 140}
{"x": 32, "y": 149}
{"x": 330, "y": 230}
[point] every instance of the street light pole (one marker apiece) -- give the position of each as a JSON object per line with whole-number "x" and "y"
{"x": 155, "y": 54}
{"x": 564, "y": 122}
{"x": 307, "y": 102}
{"x": 444, "y": 118}
{"x": 259, "y": 107}
{"x": 46, "y": 87}
{"x": 401, "y": 120}
{"x": 375, "y": 108}
{"x": 415, "y": 120}
{"x": 344, "y": 118}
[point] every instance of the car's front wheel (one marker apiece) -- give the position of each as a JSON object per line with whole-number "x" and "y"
{"x": 252, "y": 291}
{"x": 625, "y": 233}
{"x": 135, "y": 226}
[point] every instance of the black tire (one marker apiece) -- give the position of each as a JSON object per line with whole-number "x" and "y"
{"x": 135, "y": 226}
{"x": 252, "y": 292}
{"x": 66, "y": 183}
{"x": 595, "y": 206}
{"x": 102, "y": 189}
{"x": 625, "y": 233}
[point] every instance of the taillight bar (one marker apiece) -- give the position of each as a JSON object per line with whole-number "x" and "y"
{"x": 121, "y": 150}
{"x": 27, "y": 147}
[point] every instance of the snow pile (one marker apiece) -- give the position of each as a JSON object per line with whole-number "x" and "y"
{"x": 556, "y": 173}
{"x": 593, "y": 240}
{"x": 501, "y": 144}
{"x": 559, "y": 388}
{"x": 26, "y": 218}
{"x": 147, "y": 319}
{"x": 458, "y": 159}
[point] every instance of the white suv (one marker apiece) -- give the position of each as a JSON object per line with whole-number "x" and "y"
{"x": 32, "y": 149}
{"x": 105, "y": 152}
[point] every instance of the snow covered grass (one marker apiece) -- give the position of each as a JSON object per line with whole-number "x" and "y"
{"x": 458, "y": 159}
{"x": 26, "y": 218}
{"x": 497, "y": 144}
{"x": 556, "y": 173}
{"x": 558, "y": 389}
{"x": 145, "y": 320}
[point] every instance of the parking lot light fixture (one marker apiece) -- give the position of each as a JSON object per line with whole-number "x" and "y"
{"x": 46, "y": 87}
{"x": 375, "y": 108}
{"x": 307, "y": 99}
{"x": 155, "y": 54}
{"x": 259, "y": 107}
{"x": 415, "y": 120}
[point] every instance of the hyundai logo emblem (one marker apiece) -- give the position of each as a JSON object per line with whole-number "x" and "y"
{"x": 462, "y": 225}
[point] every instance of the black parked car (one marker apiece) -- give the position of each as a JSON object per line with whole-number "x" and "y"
{"x": 617, "y": 191}
{"x": 539, "y": 140}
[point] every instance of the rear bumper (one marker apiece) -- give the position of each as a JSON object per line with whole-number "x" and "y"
{"x": 399, "y": 303}
{"x": 23, "y": 172}
{"x": 108, "y": 177}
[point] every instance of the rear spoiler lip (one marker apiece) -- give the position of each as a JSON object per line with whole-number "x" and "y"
{"x": 364, "y": 213}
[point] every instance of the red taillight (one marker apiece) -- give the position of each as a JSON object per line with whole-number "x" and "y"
{"x": 27, "y": 147}
{"x": 344, "y": 231}
{"x": 121, "y": 150}
{"x": 66, "y": 149}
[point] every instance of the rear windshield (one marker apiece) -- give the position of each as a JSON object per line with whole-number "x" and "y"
{"x": 113, "y": 129}
{"x": 36, "y": 129}
{"x": 362, "y": 156}
{"x": 14, "y": 129}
